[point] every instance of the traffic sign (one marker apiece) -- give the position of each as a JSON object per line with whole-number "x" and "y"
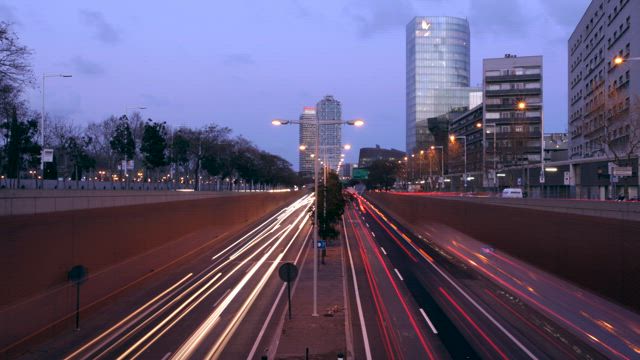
{"x": 288, "y": 272}
{"x": 621, "y": 171}
{"x": 47, "y": 155}
{"x": 322, "y": 244}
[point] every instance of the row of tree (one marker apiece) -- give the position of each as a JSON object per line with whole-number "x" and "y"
{"x": 105, "y": 149}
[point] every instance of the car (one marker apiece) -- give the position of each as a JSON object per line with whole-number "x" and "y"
{"x": 513, "y": 193}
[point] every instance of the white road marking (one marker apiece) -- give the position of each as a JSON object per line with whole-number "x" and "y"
{"x": 366, "y": 224}
{"x": 254, "y": 348}
{"x": 398, "y": 273}
{"x": 477, "y": 306}
{"x": 166, "y": 356}
{"x": 433, "y": 328}
{"x": 374, "y": 235}
{"x": 381, "y": 248}
{"x": 365, "y": 337}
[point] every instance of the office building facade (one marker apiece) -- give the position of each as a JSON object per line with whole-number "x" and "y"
{"x": 307, "y": 141}
{"x": 330, "y": 109}
{"x": 368, "y": 155}
{"x": 513, "y": 109}
{"x": 437, "y": 71}
{"x": 603, "y": 95}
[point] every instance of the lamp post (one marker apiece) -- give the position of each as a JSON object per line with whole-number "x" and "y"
{"x": 433, "y": 147}
{"x": 495, "y": 154}
{"x": 316, "y": 158}
{"x": 45, "y": 76}
{"x": 464, "y": 137}
{"x": 126, "y": 109}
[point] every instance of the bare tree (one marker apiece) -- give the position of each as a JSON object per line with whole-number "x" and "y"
{"x": 15, "y": 68}
{"x": 621, "y": 130}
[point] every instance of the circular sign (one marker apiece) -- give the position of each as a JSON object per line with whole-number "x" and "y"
{"x": 288, "y": 272}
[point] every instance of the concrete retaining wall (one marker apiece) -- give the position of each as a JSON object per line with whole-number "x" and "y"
{"x": 30, "y": 202}
{"x": 119, "y": 245}
{"x": 597, "y": 253}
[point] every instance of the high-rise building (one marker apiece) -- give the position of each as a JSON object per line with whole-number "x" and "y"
{"x": 437, "y": 72}
{"x": 603, "y": 93}
{"x": 307, "y": 140}
{"x": 513, "y": 109}
{"x": 330, "y": 109}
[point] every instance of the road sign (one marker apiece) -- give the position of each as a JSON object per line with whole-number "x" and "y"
{"x": 78, "y": 275}
{"x": 360, "y": 174}
{"x": 519, "y": 181}
{"x": 288, "y": 272}
{"x": 541, "y": 178}
{"x": 567, "y": 178}
{"x": 47, "y": 155}
{"x": 322, "y": 244}
{"x": 621, "y": 171}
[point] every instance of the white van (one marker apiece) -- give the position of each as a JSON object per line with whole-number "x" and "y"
{"x": 512, "y": 193}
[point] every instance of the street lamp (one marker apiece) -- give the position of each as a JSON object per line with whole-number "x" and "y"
{"x": 495, "y": 155}
{"x": 433, "y": 147}
{"x": 44, "y": 76}
{"x": 315, "y": 155}
{"x": 347, "y": 146}
{"x": 464, "y": 137}
{"x": 302, "y": 147}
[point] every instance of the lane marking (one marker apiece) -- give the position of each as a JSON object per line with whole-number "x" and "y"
{"x": 374, "y": 235}
{"x": 381, "y": 248}
{"x": 398, "y": 273}
{"x": 367, "y": 224}
{"x": 477, "y": 306}
{"x": 166, "y": 356}
{"x": 424, "y": 315}
{"x": 365, "y": 336}
{"x": 254, "y": 348}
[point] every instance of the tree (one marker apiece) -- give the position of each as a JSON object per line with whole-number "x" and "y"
{"x": 382, "y": 174}
{"x": 330, "y": 206}
{"x": 621, "y": 130}
{"x": 154, "y": 145}
{"x": 122, "y": 142}
{"x": 20, "y": 147}
{"x": 15, "y": 69}
{"x": 80, "y": 159}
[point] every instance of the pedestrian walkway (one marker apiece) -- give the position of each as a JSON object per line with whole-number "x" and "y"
{"x": 323, "y": 335}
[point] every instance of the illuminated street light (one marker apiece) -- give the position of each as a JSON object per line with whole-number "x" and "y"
{"x": 317, "y": 123}
{"x": 347, "y": 146}
{"x": 302, "y": 147}
{"x": 478, "y": 125}
{"x": 522, "y": 105}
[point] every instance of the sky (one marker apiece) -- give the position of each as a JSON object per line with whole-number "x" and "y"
{"x": 242, "y": 63}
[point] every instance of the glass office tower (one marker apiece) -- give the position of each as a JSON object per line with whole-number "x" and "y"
{"x": 330, "y": 109}
{"x": 438, "y": 57}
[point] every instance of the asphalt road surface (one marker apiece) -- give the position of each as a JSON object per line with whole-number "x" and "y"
{"x": 216, "y": 308}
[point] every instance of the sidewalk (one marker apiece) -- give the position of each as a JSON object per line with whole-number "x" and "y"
{"x": 324, "y": 335}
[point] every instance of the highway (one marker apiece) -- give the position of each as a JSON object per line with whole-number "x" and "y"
{"x": 481, "y": 302}
{"x": 466, "y": 314}
{"x": 219, "y": 308}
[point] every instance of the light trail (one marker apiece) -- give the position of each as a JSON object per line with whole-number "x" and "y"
{"x": 121, "y": 322}
{"x": 189, "y": 346}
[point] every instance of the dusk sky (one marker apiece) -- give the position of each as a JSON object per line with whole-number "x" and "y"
{"x": 240, "y": 63}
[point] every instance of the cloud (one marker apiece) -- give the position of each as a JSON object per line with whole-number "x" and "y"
{"x": 7, "y": 14}
{"x": 104, "y": 31}
{"x": 565, "y": 12}
{"x": 238, "y": 59}
{"x": 372, "y": 17}
{"x": 86, "y": 66}
{"x": 497, "y": 18}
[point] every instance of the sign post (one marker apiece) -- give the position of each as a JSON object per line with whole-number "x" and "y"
{"x": 78, "y": 275}
{"x": 288, "y": 273}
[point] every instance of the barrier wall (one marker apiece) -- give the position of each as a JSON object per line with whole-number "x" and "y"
{"x": 597, "y": 253}
{"x": 118, "y": 245}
